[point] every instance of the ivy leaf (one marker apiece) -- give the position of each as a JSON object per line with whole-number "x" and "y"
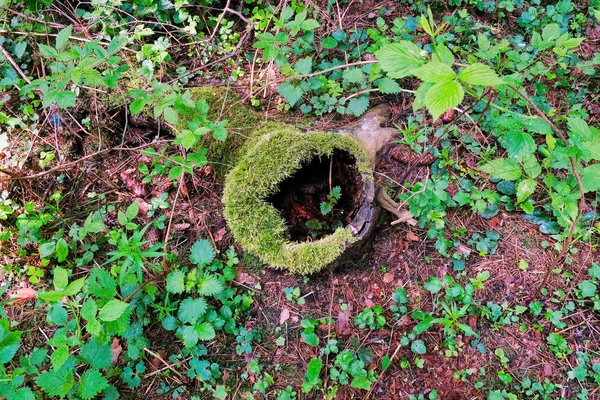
{"x": 361, "y": 382}
{"x": 291, "y": 93}
{"x": 209, "y": 286}
{"x": 202, "y": 253}
{"x": 435, "y": 72}
{"x": 220, "y": 392}
{"x": 176, "y": 282}
{"x": 418, "y": 347}
{"x": 388, "y": 86}
{"x": 401, "y": 59}
{"x": 442, "y": 97}
{"x": 205, "y": 331}
{"x": 358, "y": 106}
{"x": 112, "y": 310}
{"x": 588, "y": 288}
{"x": 96, "y": 354}
{"x": 63, "y": 36}
{"x": 589, "y": 178}
{"x": 55, "y": 383}
{"x": 480, "y": 74}
{"x": 92, "y": 383}
{"x": 503, "y": 168}
{"x": 191, "y": 309}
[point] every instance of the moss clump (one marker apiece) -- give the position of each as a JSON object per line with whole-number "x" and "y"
{"x": 257, "y": 224}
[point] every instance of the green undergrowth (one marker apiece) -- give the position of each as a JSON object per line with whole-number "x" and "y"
{"x": 256, "y": 224}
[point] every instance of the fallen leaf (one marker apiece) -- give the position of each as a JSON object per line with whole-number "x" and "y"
{"x": 220, "y": 233}
{"x": 412, "y": 237}
{"x": 548, "y": 369}
{"x": 246, "y": 279}
{"x": 341, "y": 325}
{"x": 23, "y": 294}
{"x": 116, "y": 351}
{"x": 369, "y": 303}
{"x": 284, "y": 316}
{"x": 388, "y": 278}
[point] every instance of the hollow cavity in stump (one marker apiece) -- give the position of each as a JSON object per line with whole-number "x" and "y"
{"x": 299, "y": 197}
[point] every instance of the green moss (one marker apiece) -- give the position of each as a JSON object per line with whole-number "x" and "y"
{"x": 268, "y": 160}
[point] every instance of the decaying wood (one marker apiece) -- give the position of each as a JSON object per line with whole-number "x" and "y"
{"x": 385, "y": 201}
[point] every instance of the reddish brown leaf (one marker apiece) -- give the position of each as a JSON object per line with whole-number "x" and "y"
{"x": 23, "y": 294}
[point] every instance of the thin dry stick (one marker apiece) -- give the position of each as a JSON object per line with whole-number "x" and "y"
{"x": 166, "y": 363}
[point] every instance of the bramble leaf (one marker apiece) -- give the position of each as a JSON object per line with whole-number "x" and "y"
{"x": 202, "y": 252}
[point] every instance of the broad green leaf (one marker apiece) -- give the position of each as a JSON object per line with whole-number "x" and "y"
{"x": 9, "y": 342}
{"x": 202, "y": 252}
{"x": 310, "y": 24}
{"x": 433, "y": 285}
{"x": 205, "y": 331}
{"x": 47, "y": 51}
{"x": 92, "y": 383}
{"x": 62, "y": 250}
{"x": 358, "y": 105}
{"x": 191, "y": 309}
{"x": 503, "y": 168}
{"x": 588, "y": 288}
{"x": 56, "y": 383}
{"x": 291, "y": 93}
{"x": 361, "y": 382}
{"x": 171, "y": 116}
{"x": 74, "y": 287}
{"x": 176, "y": 282}
{"x": 133, "y": 210}
{"x": 551, "y": 32}
{"x": 136, "y": 106}
{"x": 175, "y": 172}
{"x": 65, "y": 99}
{"x": 329, "y": 43}
{"x": 354, "y": 75}
{"x": 313, "y": 370}
{"x": 519, "y": 145}
{"x": 419, "y": 101}
{"x": 443, "y": 54}
{"x": 435, "y": 72}
{"x": 303, "y": 66}
{"x": 442, "y": 97}
{"x": 590, "y": 177}
{"x": 59, "y": 356}
{"x": 480, "y": 74}
{"x": 220, "y": 392}
{"x": 94, "y": 78}
{"x": 189, "y": 336}
{"x": 19, "y": 49}
{"x": 209, "y": 285}
{"x": 46, "y": 249}
{"x": 386, "y": 362}
{"x": 525, "y": 188}
{"x": 61, "y": 278}
{"x": 418, "y": 347}
{"x": 63, "y": 37}
{"x": 401, "y": 59}
{"x": 112, "y": 310}
{"x": 388, "y": 86}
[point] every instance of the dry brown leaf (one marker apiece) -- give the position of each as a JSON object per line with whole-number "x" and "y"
{"x": 116, "y": 351}
{"x": 341, "y": 325}
{"x": 388, "y": 277}
{"x": 284, "y": 316}
{"x": 23, "y": 294}
{"x": 412, "y": 237}
{"x": 245, "y": 279}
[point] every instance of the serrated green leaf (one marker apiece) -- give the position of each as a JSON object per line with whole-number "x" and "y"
{"x": 63, "y": 36}
{"x": 291, "y": 93}
{"x": 9, "y": 342}
{"x": 358, "y": 106}
{"x": 588, "y": 288}
{"x": 92, "y": 383}
{"x": 55, "y": 383}
{"x": 388, "y": 86}
{"x": 435, "y": 72}
{"x": 519, "y": 145}
{"x": 94, "y": 78}
{"x": 96, "y": 354}
{"x": 354, "y": 75}
{"x": 525, "y": 188}
{"x": 205, "y": 331}
{"x": 191, "y": 309}
{"x": 112, "y": 310}
{"x": 176, "y": 282}
{"x": 589, "y": 178}
{"x": 303, "y": 66}
{"x": 66, "y": 99}
{"x": 442, "y": 97}
{"x": 480, "y": 74}
{"x": 503, "y": 168}
{"x": 101, "y": 284}
{"x": 361, "y": 382}
{"x": 61, "y": 278}
{"x": 433, "y": 285}
{"x": 136, "y": 106}
{"x": 202, "y": 252}
{"x": 401, "y": 59}
{"x": 209, "y": 285}
{"x": 171, "y": 116}
{"x": 419, "y": 101}
{"x": 175, "y": 172}
{"x": 443, "y": 54}
{"x": 59, "y": 356}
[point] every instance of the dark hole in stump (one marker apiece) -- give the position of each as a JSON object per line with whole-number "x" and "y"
{"x": 299, "y": 197}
